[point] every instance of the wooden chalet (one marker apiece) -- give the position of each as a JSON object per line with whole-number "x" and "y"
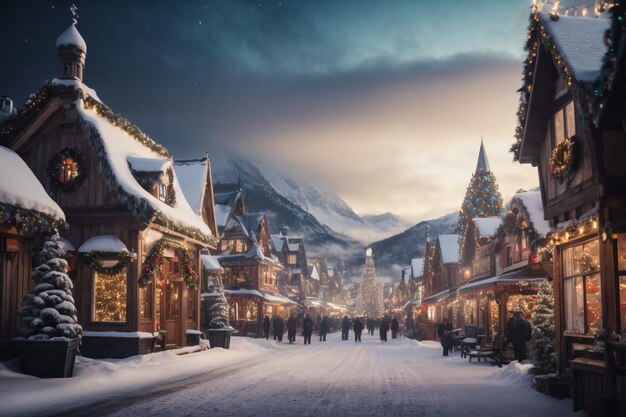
{"x": 572, "y": 129}
{"x": 26, "y": 211}
{"x": 227, "y": 205}
{"x": 292, "y": 254}
{"x": 444, "y": 273}
{"x": 251, "y": 272}
{"x": 139, "y": 239}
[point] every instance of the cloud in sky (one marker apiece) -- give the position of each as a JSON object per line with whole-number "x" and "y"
{"x": 383, "y": 101}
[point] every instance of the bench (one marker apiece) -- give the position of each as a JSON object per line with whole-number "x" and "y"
{"x": 494, "y": 352}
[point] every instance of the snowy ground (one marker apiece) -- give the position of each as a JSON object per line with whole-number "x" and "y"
{"x": 261, "y": 378}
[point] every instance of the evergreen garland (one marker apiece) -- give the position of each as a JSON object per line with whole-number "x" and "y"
{"x": 91, "y": 259}
{"x": 54, "y": 167}
{"x": 155, "y": 259}
{"x": 542, "y": 345}
{"x": 29, "y": 221}
{"x": 48, "y": 311}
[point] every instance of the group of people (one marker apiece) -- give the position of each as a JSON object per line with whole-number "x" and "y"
{"x": 276, "y": 327}
{"x": 518, "y": 333}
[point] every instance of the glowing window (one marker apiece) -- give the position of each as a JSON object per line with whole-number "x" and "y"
{"x": 109, "y": 296}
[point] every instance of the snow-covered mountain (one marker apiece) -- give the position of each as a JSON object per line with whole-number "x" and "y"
{"x": 393, "y": 253}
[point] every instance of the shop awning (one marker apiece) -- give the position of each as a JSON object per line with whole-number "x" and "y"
{"x": 412, "y": 303}
{"x": 277, "y": 298}
{"x": 438, "y": 296}
{"x": 513, "y": 277}
{"x": 245, "y": 292}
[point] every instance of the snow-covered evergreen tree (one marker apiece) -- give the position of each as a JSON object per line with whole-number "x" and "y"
{"x": 218, "y": 312}
{"x": 48, "y": 310}
{"x": 369, "y": 299}
{"x": 541, "y": 346}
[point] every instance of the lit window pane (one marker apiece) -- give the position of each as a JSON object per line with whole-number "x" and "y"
{"x": 574, "y": 308}
{"x": 110, "y": 297}
{"x": 594, "y": 303}
{"x": 559, "y": 127}
{"x": 571, "y": 119}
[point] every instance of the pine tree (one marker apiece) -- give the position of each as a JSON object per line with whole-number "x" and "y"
{"x": 48, "y": 310}
{"x": 369, "y": 299}
{"x": 541, "y": 346}
{"x": 482, "y": 198}
{"x": 218, "y": 312}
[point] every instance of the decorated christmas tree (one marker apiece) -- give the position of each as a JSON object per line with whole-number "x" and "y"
{"x": 369, "y": 299}
{"x": 541, "y": 346}
{"x": 48, "y": 311}
{"x": 482, "y": 198}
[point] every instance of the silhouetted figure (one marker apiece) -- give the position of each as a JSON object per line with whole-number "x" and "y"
{"x": 358, "y": 329}
{"x": 394, "y": 328}
{"x": 307, "y": 326}
{"x": 444, "y": 331}
{"x": 345, "y": 327}
{"x": 292, "y": 324}
{"x": 323, "y": 329}
{"x": 266, "y": 327}
{"x": 369, "y": 323}
{"x": 384, "y": 328}
{"x": 521, "y": 333}
{"x": 279, "y": 328}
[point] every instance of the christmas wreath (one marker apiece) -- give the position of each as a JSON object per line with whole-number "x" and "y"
{"x": 563, "y": 158}
{"x": 92, "y": 260}
{"x": 58, "y": 165}
{"x": 155, "y": 259}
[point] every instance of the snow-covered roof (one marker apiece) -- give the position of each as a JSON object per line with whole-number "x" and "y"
{"x": 210, "y": 262}
{"x": 450, "y": 248}
{"x": 192, "y": 177}
{"x": 78, "y": 85}
{"x": 277, "y": 298}
{"x": 417, "y": 267}
{"x": 143, "y": 164}
{"x": 19, "y": 187}
{"x": 66, "y": 245}
{"x": 244, "y": 291}
{"x": 580, "y": 41}
{"x": 314, "y": 274}
{"x": 251, "y": 222}
{"x": 72, "y": 37}
{"x": 437, "y": 296}
{"x": 487, "y": 226}
{"x": 532, "y": 202}
{"x": 221, "y": 214}
{"x": 118, "y": 146}
{"x": 103, "y": 243}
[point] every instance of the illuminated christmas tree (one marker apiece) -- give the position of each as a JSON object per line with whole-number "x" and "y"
{"x": 369, "y": 299}
{"x": 482, "y": 198}
{"x": 541, "y": 346}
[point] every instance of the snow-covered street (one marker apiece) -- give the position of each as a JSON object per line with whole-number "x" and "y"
{"x": 262, "y": 378}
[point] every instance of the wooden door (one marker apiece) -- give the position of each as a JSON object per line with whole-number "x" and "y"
{"x": 173, "y": 312}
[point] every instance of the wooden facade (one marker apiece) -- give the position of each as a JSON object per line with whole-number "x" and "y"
{"x": 61, "y": 128}
{"x": 251, "y": 272}
{"x": 586, "y": 201}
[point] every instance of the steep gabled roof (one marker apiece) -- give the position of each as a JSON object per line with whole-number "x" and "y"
{"x": 417, "y": 267}
{"x": 487, "y": 226}
{"x": 531, "y": 200}
{"x": 195, "y": 179}
{"x": 114, "y": 146}
{"x": 226, "y": 206}
{"x": 450, "y": 246}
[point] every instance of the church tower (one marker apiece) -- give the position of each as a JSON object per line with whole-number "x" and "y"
{"x": 482, "y": 199}
{"x": 72, "y": 52}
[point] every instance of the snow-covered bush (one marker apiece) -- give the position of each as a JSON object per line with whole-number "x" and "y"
{"x": 48, "y": 310}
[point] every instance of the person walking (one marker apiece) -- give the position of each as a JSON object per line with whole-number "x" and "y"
{"x": 307, "y": 326}
{"x": 521, "y": 332}
{"x": 358, "y": 329}
{"x": 369, "y": 323}
{"x": 266, "y": 327}
{"x": 323, "y": 331}
{"x": 444, "y": 331}
{"x": 292, "y": 324}
{"x": 383, "y": 328}
{"x": 394, "y": 328}
{"x": 279, "y": 328}
{"x": 345, "y": 327}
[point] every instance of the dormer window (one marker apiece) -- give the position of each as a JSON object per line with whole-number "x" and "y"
{"x": 162, "y": 192}
{"x": 564, "y": 123}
